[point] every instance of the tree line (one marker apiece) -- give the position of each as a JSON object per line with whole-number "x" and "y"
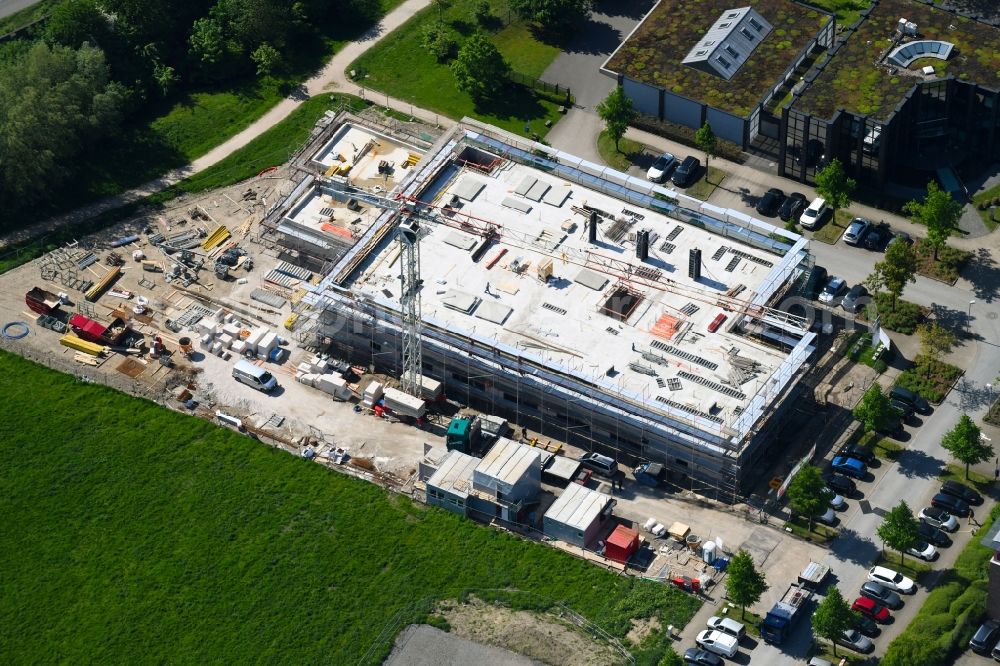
{"x": 95, "y": 63}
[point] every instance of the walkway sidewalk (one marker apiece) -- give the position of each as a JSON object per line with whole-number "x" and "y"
{"x": 329, "y": 79}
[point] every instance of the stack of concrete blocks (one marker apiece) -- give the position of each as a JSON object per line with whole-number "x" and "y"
{"x": 334, "y": 385}
{"x": 267, "y": 344}
{"x": 252, "y": 340}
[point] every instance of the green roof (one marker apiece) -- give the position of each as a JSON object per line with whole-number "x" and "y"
{"x": 653, "y": 53}
{"x": 851, "y": 80}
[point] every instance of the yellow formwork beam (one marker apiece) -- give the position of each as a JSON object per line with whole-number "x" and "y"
{"x": 81, "y": 345}
{"x": 215, "y": 238}
{"x": 102, "y": 285}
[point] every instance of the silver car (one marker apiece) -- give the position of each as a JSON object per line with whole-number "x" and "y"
{"x": 661, "y": 167}
{"x": 856, "y": 231}
{"x": 853, "y": 639}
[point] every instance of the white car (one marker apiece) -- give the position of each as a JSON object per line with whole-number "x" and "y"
{"x": 837, "y": 502}
{"x": 727, "y": 626}
{"x": 832, "y": 290}
{"x": 814, "y": 213}
{"x": 661, "y": 167}
{"x": 940, "y": 518}
{"x": 718, "y": 642}
{"x": 891, "y": 579}
{"x": 924, "y": 551}
{"x": 856, "y": 230}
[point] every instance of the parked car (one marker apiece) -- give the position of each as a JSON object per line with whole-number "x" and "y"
{"x": 962, "y": 492}
{"x": 924, "y": 551}
{"x": 932, "y": 534}
{"x": 700, "y": 657}
{"x": 856, "y": 298}
{"x": 840, "y": 483}
{"x": 814, "y": 213}
{"x": 853, "y": 640}
{"x": 717, "y": 642}
{"x": 828, "y": 517}
{"x": 877, "y": 237}
{"x": 818, "y": 661}
{"x": 871, "y": 608}
{"x": 937, "y": 517}
{"x": 882, "y": 594}
{"x": 600, "y": 464}
{"x": 986, "y": 637}
{"x": 727, "y": 625}
{"x": 906, "y": 395}
{"x": 771, "y": 201}
{"x": 687, "y": 172}
{"x": 831, "y": 292}
{"x": 793, "y": 206}
{"x": 891, "y": 579}
{"x": 837, "y": 502}
{"x": 661, "y": 167}
{"x": 858, "y": 452}
{"x": 951, "y": 504}
{"x": 815, "y": 283}
{"x": 904, "y": 409}
{"x": 851, "y": 467}
{"x": 900, "y": 237}
{"x": 866, "y": 625}
{"x": 856, "y": 230}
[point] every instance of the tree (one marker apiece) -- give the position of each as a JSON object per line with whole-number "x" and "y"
{"x": 617, "y": 113}
{"x": 874, "y": 411}
{"x": 440, "y": 41}
{"x": 808, "y": 494}
{"x": 74, "y": 23}
{"x": 935, "y": 340}
{"x": 482, "y": 14}
{"x": 670, "y": 658}
{"x": 552, "y": 15}
{"x": 267, "y": 59}
{"x": 893, "y": 273}
{"x": 832, "y": 617}
{"x": 166, "y": 78}
{"x": 833, "y": 185}
{"x": 207, "y": 41}
{"x": 744, "y": 584}
{"x": 899, "y": 529}
{"x": 965, "y": 444}
{"x": 480, "y": 69}
{"x": 939, "y": 212}
{"x": 55, "y": 104}
{"x": 705, "y": 140}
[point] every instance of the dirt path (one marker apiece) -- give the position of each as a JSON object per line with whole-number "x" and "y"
{"x": 331, "y": 78}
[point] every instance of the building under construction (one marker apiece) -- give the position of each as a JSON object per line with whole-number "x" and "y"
{"x": 600, "y": 309}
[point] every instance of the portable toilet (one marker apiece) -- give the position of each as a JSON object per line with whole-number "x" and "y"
{"x": 708, "y": 551}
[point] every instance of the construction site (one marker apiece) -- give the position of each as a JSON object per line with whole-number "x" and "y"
{"x": 417, "y": 274}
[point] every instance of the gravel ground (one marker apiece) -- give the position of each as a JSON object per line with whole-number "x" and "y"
{"x": 424, "y": 645}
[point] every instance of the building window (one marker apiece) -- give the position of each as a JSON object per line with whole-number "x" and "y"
{"x": 746, "y": 33}
{"x": 733, "y": 15}
{"x": 700, "y": 53}
{"x": 710, "y": 43}
{"x": 756, "y": 24}
{"x": 725, "y": 25}
{"x": 722, "y": 61}
{"x": 731, "y": 51}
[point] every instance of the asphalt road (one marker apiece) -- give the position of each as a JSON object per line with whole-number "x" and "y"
{"x": 8, "y": 7}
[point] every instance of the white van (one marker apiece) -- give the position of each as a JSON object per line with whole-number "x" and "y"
{"x": 247, "y": 373}
{"x": 814, "y": 213}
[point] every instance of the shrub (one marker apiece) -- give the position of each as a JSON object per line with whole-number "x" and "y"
{"x": 440, "y": 41}
{"x": 904, "y": 319}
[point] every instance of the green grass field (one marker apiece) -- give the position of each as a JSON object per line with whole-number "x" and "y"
{"x": 133, "y": 534}
{"x": 403, "y": 68}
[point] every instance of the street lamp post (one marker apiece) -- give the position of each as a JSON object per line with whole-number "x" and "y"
{"x": 968, "y": 318}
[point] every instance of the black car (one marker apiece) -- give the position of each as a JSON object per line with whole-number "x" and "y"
{"x": 932, "y": 534}
{"x": 951, "y": 504}
{"x": 771, "y": 202}
{"x": 962, "y": 492}
{"x": 875, "y": 238}
{"x": 793, "y": 206}
{"x": 986, "y": 637}
{"x": 906, "y": 395}
{"x": 858, "y": 452}
{"x": 904, "y": 409}
{"x": 687, "y": 172}
{"x": 866, "y": 625}
{"x": 701, "y": 657}
{"x": 815, "y": 283}
{"x": 882, "y": 594}
{"x": 839, "y": 483}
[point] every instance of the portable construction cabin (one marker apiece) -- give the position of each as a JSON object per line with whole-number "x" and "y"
{"x": 449, "y": 486}
{"x": 508, "y": 478}
{"x": 560, "y": 470}
{"x": 622, "y": 544}
{"x": 577, "y": 515}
